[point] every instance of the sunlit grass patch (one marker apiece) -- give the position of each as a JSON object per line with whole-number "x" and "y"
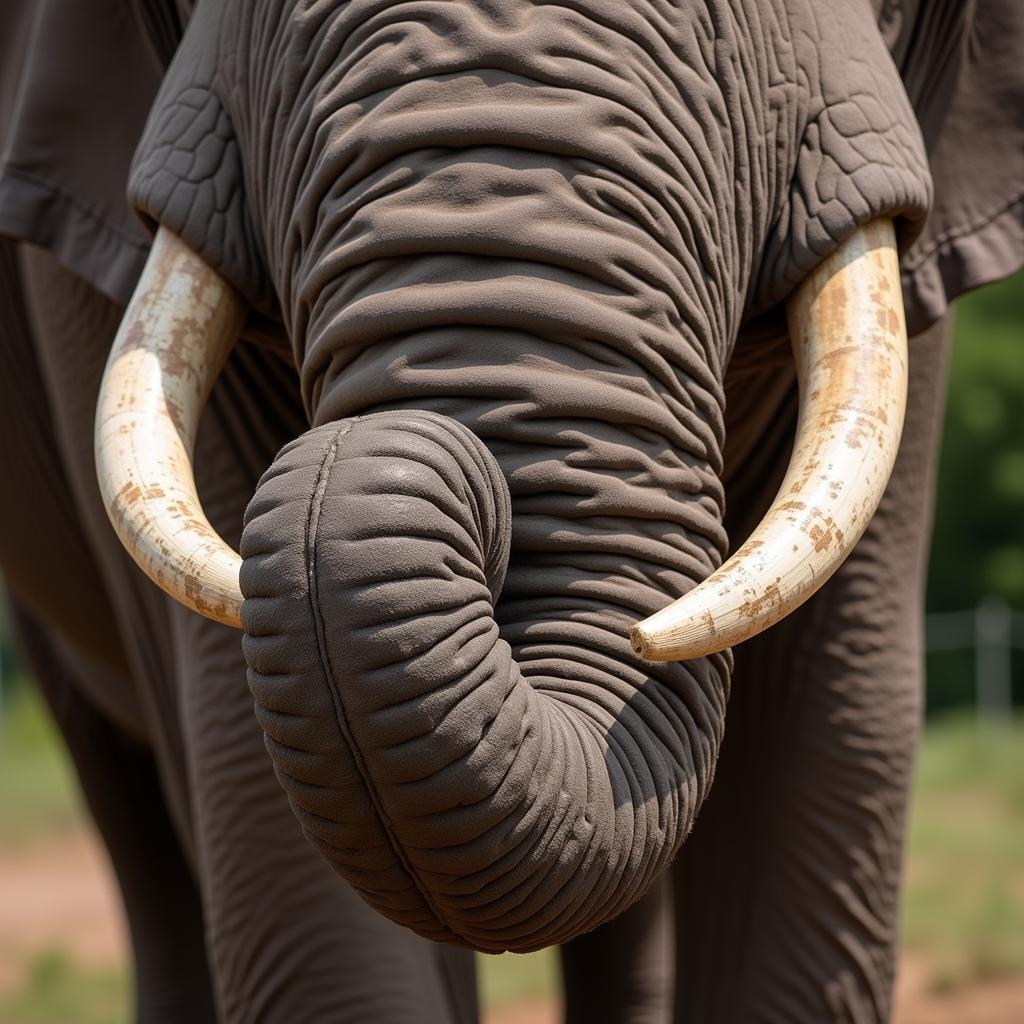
{"x": 59, "y": 991}
{"x": 510, "y": 977}
{"x": 964, "y": 894}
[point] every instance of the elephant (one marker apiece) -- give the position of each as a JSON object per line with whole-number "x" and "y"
{"x": 459, "y": 377}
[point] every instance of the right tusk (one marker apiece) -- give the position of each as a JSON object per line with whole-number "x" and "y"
{"x": 176, "y": 334}
{"x": 850, "y": 342}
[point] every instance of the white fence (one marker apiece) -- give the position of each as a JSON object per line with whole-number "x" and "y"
{"x": 993, "y": 630}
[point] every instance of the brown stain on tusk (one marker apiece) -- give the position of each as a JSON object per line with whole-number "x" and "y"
{"x": 772, "y": 597}
{"x": 176, "y": 334}
{"x": 849, "y": 341}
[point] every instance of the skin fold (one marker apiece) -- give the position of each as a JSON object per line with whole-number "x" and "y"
{"x": 514, "y": 378}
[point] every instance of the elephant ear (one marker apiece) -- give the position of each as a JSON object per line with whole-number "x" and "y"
{"x": 76, "y": 83}
{"x": 188, "y": 175}
{"x": 963, "y": 69}
{"x": 857, "y": 153}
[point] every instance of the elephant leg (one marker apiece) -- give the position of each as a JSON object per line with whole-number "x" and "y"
{"x": 289, "y": 940}
{"x": 624, "y": 971}
{"x": 788, "y": 890}
{"x": 120, "y": 786}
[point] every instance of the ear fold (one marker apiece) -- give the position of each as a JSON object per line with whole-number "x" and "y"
{"x": 77, "y": 82}
{"x": 965, "y": 78}
{"x": 858, "y": 153}
{"x": 187, "y": 174}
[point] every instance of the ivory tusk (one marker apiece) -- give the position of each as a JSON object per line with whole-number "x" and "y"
{"x": 850, "y": 344}
{"x": 176, "y": 334}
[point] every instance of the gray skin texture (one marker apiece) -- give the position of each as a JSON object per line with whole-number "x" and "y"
{"x": 517, "y": 271}
{"x": 512, "y": 246}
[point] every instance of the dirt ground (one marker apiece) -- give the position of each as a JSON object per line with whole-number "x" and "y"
{"x": 60, "y": 895}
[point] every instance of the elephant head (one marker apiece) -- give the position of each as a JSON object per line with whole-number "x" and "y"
{"x": 513, "y": 246}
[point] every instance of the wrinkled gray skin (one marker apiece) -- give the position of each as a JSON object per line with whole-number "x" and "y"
{"x": 542, "y": 223}
{"x": 523, "y": 257}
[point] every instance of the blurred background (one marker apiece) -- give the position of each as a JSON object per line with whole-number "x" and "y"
{"x": 62, "y": 948}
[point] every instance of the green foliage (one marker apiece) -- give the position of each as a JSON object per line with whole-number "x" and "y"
{"x": 10, "y": 665}
{"x": 58, "y": 991}
{"x": 978, "y": 544}
{"x": 979, "y": 529}
{"x": 964, "y": 897}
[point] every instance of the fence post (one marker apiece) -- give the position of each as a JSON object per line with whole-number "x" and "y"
{"x": 992, "y": 670}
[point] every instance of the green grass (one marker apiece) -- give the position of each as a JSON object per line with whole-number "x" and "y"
{"x": 510, "y": 978}
{"x": 963, "y": 901}
{"x": 60, "y": 992}
{"x": 964, "y": 894}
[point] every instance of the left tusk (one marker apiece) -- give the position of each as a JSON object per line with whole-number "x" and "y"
{"x": 176, "y": 334}
{"x": 850, "y": 345}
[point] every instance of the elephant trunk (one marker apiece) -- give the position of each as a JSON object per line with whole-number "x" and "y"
{"x": 502, "y": 789}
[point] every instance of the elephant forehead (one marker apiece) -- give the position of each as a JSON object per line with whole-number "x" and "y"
{"x": 738, "y": 138}
{"x": 501, "y": 143}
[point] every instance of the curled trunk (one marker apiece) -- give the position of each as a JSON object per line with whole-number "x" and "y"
{"x": 502, "y": 789}
{"x": 509, "y": 232}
